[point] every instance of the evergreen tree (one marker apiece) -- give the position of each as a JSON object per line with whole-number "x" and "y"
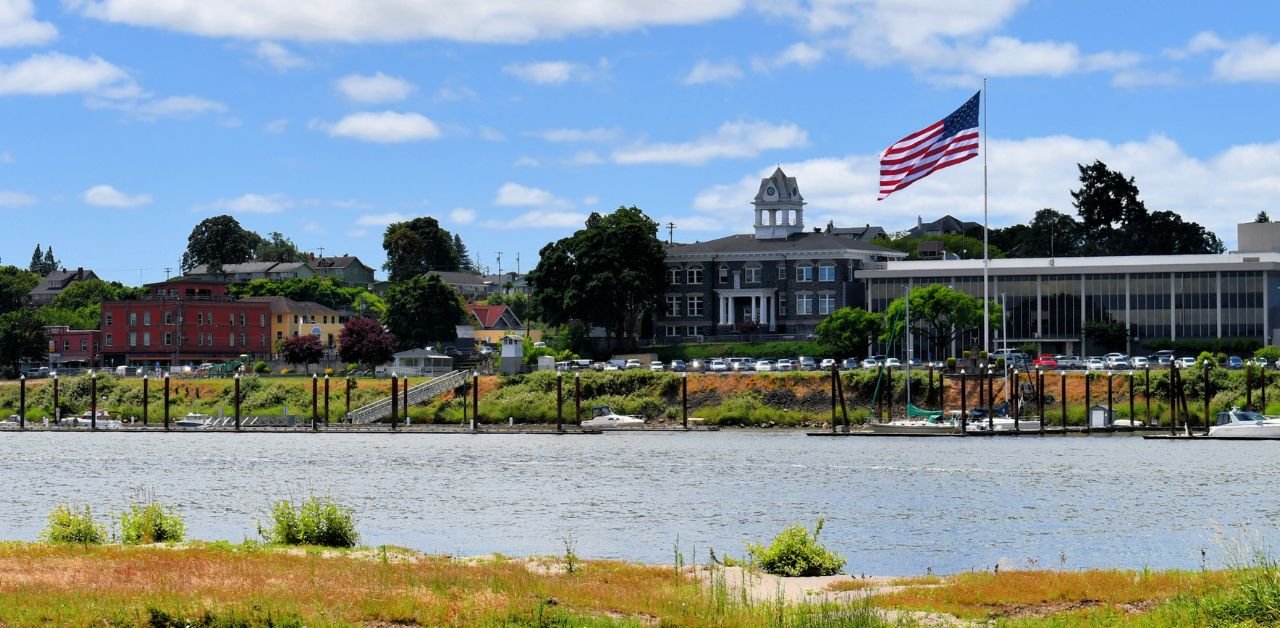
{"x": 1262, "y": 217}
{"x": 37, "y": 261}
{"x": 464, "y": 256}
{"x": 50, "y": 262}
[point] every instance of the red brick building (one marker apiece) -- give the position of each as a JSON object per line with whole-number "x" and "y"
{"x": 72, "y": 347}
{"x": 182, "y": 321}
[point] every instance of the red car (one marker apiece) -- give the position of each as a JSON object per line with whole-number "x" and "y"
{"x": 1045, "y": 361}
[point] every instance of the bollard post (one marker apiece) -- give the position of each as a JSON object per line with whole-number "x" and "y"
{"x": 166, "y": 402}
{"x": 1174, "y": 389}
{"x": 315, "y": 403}
{"x": 1111, "y": 409}
{"x": 237, "y": 399}
{"x": 833, "y": 400}
{"x": 92, "y": 400}
{"x": 1064, "y": 403}
{"x": 1088, "y": 380}
{"x": 475, "y": 400}
{"x": 395, "y": 399}
{"x": 964, "y": 407}
{"x": 559, "y": 401}
{"x": 684, "y": 398}
{"x": 991, "y": 400}
{"x": 1205, "y": 368}
{"x": 1016, "y": 397}
{"x": 57, "y": 414}
{"x": 1132, "y": 427}
{"x": 1146, "y": 394}
{"x": 577, "y": 398}
{"x": 1263, "y": 372}
{"x": 326, "y": 400}
{"x": 1040, "y": 395}
{"x": 404, "y": 406}
{"x": 347, "y": 412}
{"x": 145, "y": 400}
{"x": 22, "y": 402}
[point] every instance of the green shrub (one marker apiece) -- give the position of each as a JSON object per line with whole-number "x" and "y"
{"x": 73, "y": 524}
{"x": 261, "y": 367}
{"x": 795, "y": 552}
{"x": 151, "y": 522}
{"x": 318, "y": 521}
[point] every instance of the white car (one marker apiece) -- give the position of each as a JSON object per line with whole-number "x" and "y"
{"x": 827, "y": 364}
{"x": 656, "y": 366}
{"x": 1185, "y": 363}
{"x": 1139, "y": 362}
{"x": 632, "y": 364}
{"x": 892, "y": 363}
{"x": 717, "y": 366}
{"x": 1096, "y": 364}
{"x": 786, "y": 365}
{"x": 764, "y": 366}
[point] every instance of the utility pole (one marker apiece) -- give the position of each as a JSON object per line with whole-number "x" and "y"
{"x": 167, "y": 270}
{"x": 671, "y": 232}
{"x": 517, "y": 262}
{"x": 321, "y": 249}
{"x": 499, "y": 263}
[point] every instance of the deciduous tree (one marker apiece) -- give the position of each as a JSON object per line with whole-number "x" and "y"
{"x": 216, "y": 242}
{"x": 848, "y": 331}
{"x": 423, "y": 310}
{"x": 303, "y": 349}
{"x": 363, "y": 340}
{"x": 15, "y": 286}
{"x": 22, "y": 339}
{"x": 940, "y": 314}
{"x": 276, "y": 248}
{"x": 416, "y": 247}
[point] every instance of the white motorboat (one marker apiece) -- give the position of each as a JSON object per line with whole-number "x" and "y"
{"x": 103, "y": 422}
{"x": 603, "y": 417}
{"x": 907, "y": 427}
{"x": 1003, "y": 424}
{"x": 1237, "y": 423}
{"x": 193, "y": 421}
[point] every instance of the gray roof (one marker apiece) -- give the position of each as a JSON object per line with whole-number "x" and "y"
{"x": 459, "y": 279}
{"x": 337, "y": 261}
{"x": 422, "y": 353}
{"x": 807, "y": 241}
{"x": 232, "y": 269}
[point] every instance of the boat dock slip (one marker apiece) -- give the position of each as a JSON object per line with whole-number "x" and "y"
{"x": 1204, "y": 437}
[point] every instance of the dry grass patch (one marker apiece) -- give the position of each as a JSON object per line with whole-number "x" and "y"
{"x": 1044, "y": 593}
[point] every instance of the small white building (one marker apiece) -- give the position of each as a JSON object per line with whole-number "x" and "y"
{"x": 512, "y": 355}
{"x": 418, "y": 362}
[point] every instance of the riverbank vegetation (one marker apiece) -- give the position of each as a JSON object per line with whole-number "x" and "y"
{"x": 782, "y": 399}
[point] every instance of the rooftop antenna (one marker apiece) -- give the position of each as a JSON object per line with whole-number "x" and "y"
{"x": 671, "y": 232}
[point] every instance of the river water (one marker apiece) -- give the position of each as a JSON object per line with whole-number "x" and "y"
{"x": 893, "y": 506}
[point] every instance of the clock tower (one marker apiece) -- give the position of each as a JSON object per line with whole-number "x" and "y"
{"x": 779, "y": 207}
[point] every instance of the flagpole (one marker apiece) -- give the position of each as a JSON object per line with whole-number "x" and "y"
{"x": 986, "y": 256}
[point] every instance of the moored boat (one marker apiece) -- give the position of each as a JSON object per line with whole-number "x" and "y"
{"x": 603, "y": 417}
{"x": 1237, "y": 423}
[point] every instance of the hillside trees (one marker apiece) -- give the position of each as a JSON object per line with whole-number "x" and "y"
{"x": 423, "y": 310}
{"x": 216, "y": 242}
{"x": 849, "y": 331}
{"x": 364, "y": 341}
{"x": 416, "y": 247}
{"x": 940, "y": 314}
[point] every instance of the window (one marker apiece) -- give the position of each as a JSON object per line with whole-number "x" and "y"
{"x": 146, "y": 318}
{"x": 804, "y": 304}
{"x": 693, "y": 330}
{"x": 279, "y": 335}
{"x": 133, "y": 339}
{"x": 146, "y": 339}
{"x": 782, "y": 270}
{"x": 695, "y": 305}
{"x": 753, "y": 274}
{"x": 133, "y": 318}
{"x": 673, "y": 275}
{"x": 673, "y": 306}
{"x": 168, "y": 338}
{"x": 826, "y": 272}
{"x": 262, "y": 320}
{"x": 168, "y": 318}
{"x": 671, "y": 331}
{"x": 279, "y": 318}
{"x": 200, "y": 339}
{"x": 109, "y": 318}
{"x": 66, "y": 345}
{"x": 694, "y": 275}
{"x": 243, "y": 341}
{"x": 231, "y": 340}
{"x": 804, "y": 272}
{"x": 262, "y": 340}
{"x": 200, "y": 318}
{"x": 84, "y": 344}
{"x": 724, "y": 274}
{"x": 107, "y": 340}
{"x": 242, "y": 322}
{"x": 826, "y": 303}
{"x": 231, "y": 318}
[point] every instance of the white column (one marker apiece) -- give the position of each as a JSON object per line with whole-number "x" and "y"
{"x": 770, "y": 309}
{"x": 755, "y": 308}
{"x": 724, "y": 312}
{"x": 730, "y": 308}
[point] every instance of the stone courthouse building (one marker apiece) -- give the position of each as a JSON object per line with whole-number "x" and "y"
{"x": 779, "y": 281}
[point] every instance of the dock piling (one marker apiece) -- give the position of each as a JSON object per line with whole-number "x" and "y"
{"x": 57, "y": 413}
{"x": 22, "y": 402}
{"x": 1146, "y": 395}
{"x": 559, "y": 401}
{"x": 166, "y": 401}
{"x": 1088, "y": 398}
{"x": 577, "y": 401}
{"x": 475, "y": 400}
{"x": 1063, "y": 388}
{"x": 964, "y": 407}
{"x": 237, "y": 400}
{"x": 93, "y": 400}
{"x": 326, "y": 400}
{"x": 684, "y": 397}
{"x": 315, "y": 403}
{"x": 146, "y": 399}
{"x": 1131, "y": 412}
{"x": 395, "y": 399}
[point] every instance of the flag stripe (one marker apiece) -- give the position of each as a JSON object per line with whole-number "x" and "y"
{"x": 952, "y": 140}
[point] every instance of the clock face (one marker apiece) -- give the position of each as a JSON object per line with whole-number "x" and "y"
{"x": 770, "y": 191}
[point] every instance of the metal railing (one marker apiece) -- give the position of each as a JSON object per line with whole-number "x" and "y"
{"x": 428, "y": 390}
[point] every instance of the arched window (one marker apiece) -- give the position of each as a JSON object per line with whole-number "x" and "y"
{"x": 693, "y": 275}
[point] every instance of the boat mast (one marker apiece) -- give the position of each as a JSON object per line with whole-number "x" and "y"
{"x": 986, "y": 256}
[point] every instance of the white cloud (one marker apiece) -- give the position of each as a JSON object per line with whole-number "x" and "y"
{"x": 490, "y": 134}
{"x": 405, "y": 20}
{"x": 356, "y": 233}
{"x": 275, "y": 127}
{"x": 705, "y": 71}
{"x": 798, "y": 54}
{"x": 1025, "y": 176}
{"x": 381, "y": 220}
{"x": 539, "y": 220}
{"x": 177, "y": 107}
{"x": 462, "y": 216}
{"x": 1252, "y": 59}
{"x": 253, "y": 204}
{"x": 516, "y": 195}
{"x": 1145, "y": 78}
{"x": 590, "y": 200}
{"x": 18, "y": 26}
{"x": 576, "y": 135}
{"x": 9, "y": 198}
{"x": 107, "y": 196}
{"x": 377, "y": 88}
{"x": 586, "y": 158}
{"x": 731, "y": 140}
{"x": 453, "y": 94}
{"x": 6, "y": 158}
{"x": 54, "y": 73}
{"x": 526, "y": 162}
{"x": 384, "y": 127}
{"x": 278, "y": 57}
{"x": 547, "y": 72}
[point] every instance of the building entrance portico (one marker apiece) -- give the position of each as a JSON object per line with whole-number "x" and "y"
{"x": 759, "y": 305}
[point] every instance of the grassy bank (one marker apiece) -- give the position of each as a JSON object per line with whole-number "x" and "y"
{"x": 787, "y": 399}
{"x": 220, "y": 584}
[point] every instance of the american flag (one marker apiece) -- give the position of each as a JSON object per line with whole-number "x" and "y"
{"x": 944, "y": 143}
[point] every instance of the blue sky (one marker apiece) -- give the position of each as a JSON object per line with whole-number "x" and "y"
{"x": 123, "y": 123}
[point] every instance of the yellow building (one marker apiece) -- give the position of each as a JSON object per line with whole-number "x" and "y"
{"x": 291, "y": 318}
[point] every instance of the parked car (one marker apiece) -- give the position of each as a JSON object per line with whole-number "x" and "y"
{"x": 871, "y": 363}
{"x": 678, "y": 366}
{"x": 785, "y": 364}
{"x": 764, "y": 366}
{"x": 632, "y": 364}
{"x": 892, "y": 363}
{"x": 827, "y": 364}
{"x": 1262, "y": 362}
{"x": 1117, "y": 361}
{"x": 1139, "y": 362}
{"x": 848, "y": 364}
{"x": 743, "y": 364}
{"x": 1096, "y": 364}
{"x": 1045, "y": 361}
{"x": 806, "y": 364}
{"x": 1162, "y": 361}
{"x": 696, "y": 366}
{"x": 1185, "y": 362}
{"x": 1066, "y": 362}
{"x": 717, "y": 366}
{"x": 656, "y": 366}
{"x": 1234, "y": 362}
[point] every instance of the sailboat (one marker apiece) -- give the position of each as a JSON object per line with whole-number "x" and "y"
{"x": 919, "y": 422}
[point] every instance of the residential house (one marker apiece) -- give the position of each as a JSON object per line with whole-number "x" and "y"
{"x": 55, "y": 282}
{"x": 508, "y": 283}
{"x": 291, "y": 318}
{"x": 492, "y": 322}
{"x": 347, "y": 269}
{"x": 470, "y": 285}
{"x": 947, "y": 225}
{"x": 72, "y": 347}
{"x": 249, "y": 271}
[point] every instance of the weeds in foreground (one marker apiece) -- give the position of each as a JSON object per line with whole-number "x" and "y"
{"x": 796, "y": 552}
{"x": 317, "y": 521}
{"x": 73, "y": 524}
{"x": 151, "y": 522}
